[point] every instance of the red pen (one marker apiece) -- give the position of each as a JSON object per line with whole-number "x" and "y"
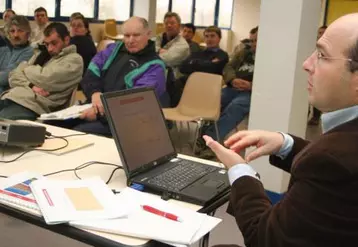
{"x": 161, "y": 213}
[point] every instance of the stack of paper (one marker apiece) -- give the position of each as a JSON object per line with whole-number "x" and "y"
{"x": 68, "y": 113}
{"x": 64, "y": 201}
{"x": 143, "y": 224}
{"x": 15, "y": 192}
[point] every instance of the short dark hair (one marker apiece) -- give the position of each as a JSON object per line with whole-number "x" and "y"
{"x": 57, "y": 27}
{"x": 213, "y": 29}
{"x": 191, "y": 26}
{"x": 254, "y": 30}
{"x": 324, "y": 27}
{"x": 353, "y": 54}
{"x": 245, "y": 41}
{"x": 40, "y": 9}
{"x": 172, "y": 14}
{"x": 9, "y": 10}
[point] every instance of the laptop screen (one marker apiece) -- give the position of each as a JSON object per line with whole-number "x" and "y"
{"x": 139, "y": 127}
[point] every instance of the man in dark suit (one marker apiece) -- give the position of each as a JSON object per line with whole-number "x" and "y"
{"x": 320, "y": 207}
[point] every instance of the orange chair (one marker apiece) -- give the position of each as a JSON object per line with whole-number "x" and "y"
{"x": 110, "y": 30}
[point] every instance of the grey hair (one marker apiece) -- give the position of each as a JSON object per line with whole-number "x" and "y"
{"x": 20, "y": 21}
{"x": 173, "y": 14}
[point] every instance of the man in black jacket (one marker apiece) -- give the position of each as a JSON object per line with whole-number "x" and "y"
{"x": 210, "y": 60}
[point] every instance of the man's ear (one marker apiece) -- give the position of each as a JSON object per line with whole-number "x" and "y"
{"x": 354, "y": 80}
{"x": 67, "y": 40}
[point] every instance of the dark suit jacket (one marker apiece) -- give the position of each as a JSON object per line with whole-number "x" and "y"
{"x": 320, "y": 207}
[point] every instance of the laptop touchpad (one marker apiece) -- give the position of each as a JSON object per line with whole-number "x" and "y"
{"x": 213, "y": 183}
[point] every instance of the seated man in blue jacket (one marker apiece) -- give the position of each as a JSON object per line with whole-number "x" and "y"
{"x": 17, "y": 48}
{"x": 122, "y": 65}
{"x": 210, "y": 60}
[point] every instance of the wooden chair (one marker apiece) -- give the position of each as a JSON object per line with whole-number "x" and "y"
{"x": 110, "y": 30}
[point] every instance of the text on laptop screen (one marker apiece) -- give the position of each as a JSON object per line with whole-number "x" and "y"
{"x": 140, "y": 128}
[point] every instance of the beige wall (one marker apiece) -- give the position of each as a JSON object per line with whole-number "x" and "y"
{"x": 338, "y": 8}
{"x": 246, "y": 15}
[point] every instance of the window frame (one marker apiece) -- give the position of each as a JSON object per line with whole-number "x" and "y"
{"x": 216, "y": 14}
{"x": 5, "y": 6}
{"x": 95, "y": 19}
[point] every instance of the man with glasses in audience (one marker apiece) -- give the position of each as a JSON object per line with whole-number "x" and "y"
{"x": 46, "y": 82}
{"x": 320, "y": 207}
{"x": 235, "y": 98}
{"x": 18, "y": 49}
{"x": 41, "y": 20}
{"x": 82, "y": 39}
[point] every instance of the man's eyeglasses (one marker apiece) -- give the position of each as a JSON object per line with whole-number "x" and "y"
{"x": 77, "y": 26}
{"x": 320, "y": 56}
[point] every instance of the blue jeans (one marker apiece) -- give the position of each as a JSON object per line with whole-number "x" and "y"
{"x": 96, "y": 127}
{"x": 235, "y": 105}
{"x": 14, "y": 111}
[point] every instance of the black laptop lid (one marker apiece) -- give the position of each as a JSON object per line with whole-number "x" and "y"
{"x": 138, "y": 127}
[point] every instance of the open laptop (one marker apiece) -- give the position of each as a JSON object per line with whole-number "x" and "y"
{"x": 148, "y": 155}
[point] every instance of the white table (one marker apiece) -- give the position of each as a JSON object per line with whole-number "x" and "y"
{"x": 103, "y": 149}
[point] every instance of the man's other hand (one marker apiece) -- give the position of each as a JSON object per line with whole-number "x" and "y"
{"x": 161, "y": 51}
{"x": 40, "y": 91}
{"x": 89, "y": 115}
{"x": 241, "y": 84}
{"x": 266, "y": 143}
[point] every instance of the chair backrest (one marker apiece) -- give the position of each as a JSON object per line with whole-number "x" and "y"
{"x": 110, "y": 27}
{"x": 201, "y": 96}
{"x": 103, "y": 44}
{"x": 72, "y": 100}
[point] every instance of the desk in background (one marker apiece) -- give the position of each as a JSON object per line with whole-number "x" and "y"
{"x": 104, "y": 150}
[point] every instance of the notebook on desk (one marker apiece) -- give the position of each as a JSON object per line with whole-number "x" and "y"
{"x": 148, "y": 155}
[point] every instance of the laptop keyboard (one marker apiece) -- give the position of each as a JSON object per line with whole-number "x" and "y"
{"x": 180, "y": 176}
